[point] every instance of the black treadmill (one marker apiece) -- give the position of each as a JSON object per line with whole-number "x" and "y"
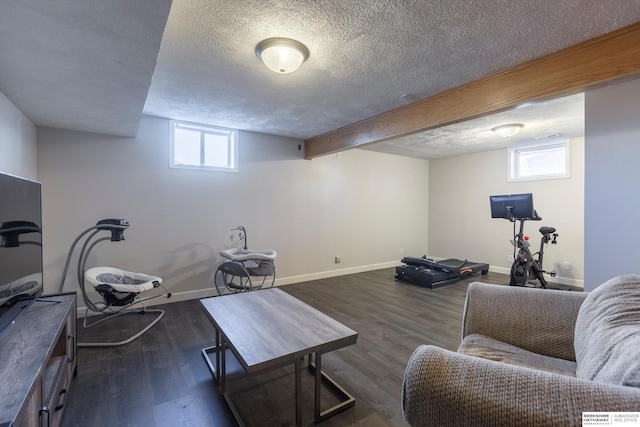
{"x": 434, "y": 274}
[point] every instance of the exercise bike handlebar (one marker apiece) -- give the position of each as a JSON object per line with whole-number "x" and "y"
{"x": 535, "y": 218}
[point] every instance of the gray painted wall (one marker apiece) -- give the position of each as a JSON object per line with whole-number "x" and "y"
{"x": 18, "y": 152}
{"x": 69, "y": 161}
{"x": 460, "y": 223}
{"x": 356, "y": 205}
{"x": 612, "y": 202}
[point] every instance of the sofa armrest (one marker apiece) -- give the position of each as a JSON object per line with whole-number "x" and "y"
{"x": 444, "y": 388}
{"x": 539, "y": 320}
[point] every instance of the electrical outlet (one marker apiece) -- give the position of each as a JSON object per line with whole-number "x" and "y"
{"x": 510, "y": 258}
{"x": 338, "y": 259}
{"x": 401, "y": 251}
{"x": 231, "y": 237}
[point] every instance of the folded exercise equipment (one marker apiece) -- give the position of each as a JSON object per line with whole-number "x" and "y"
{"x": 434, "y": 274}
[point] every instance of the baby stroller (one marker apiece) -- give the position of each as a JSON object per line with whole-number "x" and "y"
{"x": 247, "y": 270}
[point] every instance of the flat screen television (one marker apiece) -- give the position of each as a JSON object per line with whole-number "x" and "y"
{"x": 20, "y": 246}
{"x": 512, "y": 206}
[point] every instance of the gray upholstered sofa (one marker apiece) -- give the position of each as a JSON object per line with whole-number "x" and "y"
{"x": 531, "y": 357}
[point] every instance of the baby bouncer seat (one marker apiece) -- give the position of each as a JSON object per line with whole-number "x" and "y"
{"x": 246, "y": 270}
{"x": 120, "y": 290}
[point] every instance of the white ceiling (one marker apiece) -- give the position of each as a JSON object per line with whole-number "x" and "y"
{"x": 80, "y": 65}
{"x": 98, "y": 65}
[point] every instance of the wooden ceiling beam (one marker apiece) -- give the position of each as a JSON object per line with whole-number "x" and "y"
{"x": 609, "y": 57}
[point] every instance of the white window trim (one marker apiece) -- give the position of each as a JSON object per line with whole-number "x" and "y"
{"x": 513, "y": 151}
{"x": 203, "y": 128}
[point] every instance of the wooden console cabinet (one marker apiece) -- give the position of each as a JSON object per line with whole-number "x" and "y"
{"x": 37, "y": 363}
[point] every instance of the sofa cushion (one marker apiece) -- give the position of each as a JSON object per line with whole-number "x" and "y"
{"x": 488, "y": 348}
{"x": 607, "y": 338}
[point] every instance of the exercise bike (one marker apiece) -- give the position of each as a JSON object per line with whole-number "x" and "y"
{"x": 525, "y": 266}
{"x": 519, "y": 207}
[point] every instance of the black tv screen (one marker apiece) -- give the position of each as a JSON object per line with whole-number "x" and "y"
{"x": 512, "y": 206}
{"x": 20, "y": 246}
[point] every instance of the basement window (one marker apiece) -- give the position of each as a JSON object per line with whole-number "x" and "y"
{"x": 203, "y": 147}
{"x": 548, "y": 160}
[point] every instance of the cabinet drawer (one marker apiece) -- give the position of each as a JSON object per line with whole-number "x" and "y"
{"x": 29, "y": 415}
{"x": 58, "y": 396}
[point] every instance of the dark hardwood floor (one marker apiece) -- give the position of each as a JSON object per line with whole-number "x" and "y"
{"x": 161, "y": 379}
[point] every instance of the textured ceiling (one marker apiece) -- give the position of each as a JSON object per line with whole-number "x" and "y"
{"x": 86, "y": 65}
{"x": 80, "y": 65}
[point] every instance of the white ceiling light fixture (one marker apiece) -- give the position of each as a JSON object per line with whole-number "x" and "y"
{"x": 282, "y": 55}
{"x": 509, "y": 130}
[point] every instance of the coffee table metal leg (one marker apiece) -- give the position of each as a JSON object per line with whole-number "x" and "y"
{"x": 222, "y": 374}
{"x": 218, "y": 349}
{"x": 299, "y": 391}
{"x": 219, "y": 373}
{"x": 348, "y": 401}
{"x": 318, "y": 382}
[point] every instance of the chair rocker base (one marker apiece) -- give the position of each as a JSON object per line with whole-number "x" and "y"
{"x": 160, "y": 314}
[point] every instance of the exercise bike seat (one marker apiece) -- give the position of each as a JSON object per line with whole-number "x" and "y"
{"x": 547, "y": 230}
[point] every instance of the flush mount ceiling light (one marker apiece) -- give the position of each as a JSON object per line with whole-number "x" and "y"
{"x": 507, "y": 131}
{"x": 282, "y": 55}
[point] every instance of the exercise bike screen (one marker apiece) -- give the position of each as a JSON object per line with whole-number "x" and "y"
{"x": 512, "y": 206}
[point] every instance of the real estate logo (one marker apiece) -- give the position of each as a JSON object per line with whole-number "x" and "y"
{"x": 611, "y": 419}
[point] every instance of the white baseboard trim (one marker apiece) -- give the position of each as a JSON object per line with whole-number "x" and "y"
{"x": 211, "y": 292}
{"x": 334, "y": 273}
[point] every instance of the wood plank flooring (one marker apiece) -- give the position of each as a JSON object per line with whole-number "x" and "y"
{"x": 161, "y": 379}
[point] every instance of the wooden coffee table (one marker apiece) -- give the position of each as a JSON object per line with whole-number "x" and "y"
{"x": 268, "y": 329}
